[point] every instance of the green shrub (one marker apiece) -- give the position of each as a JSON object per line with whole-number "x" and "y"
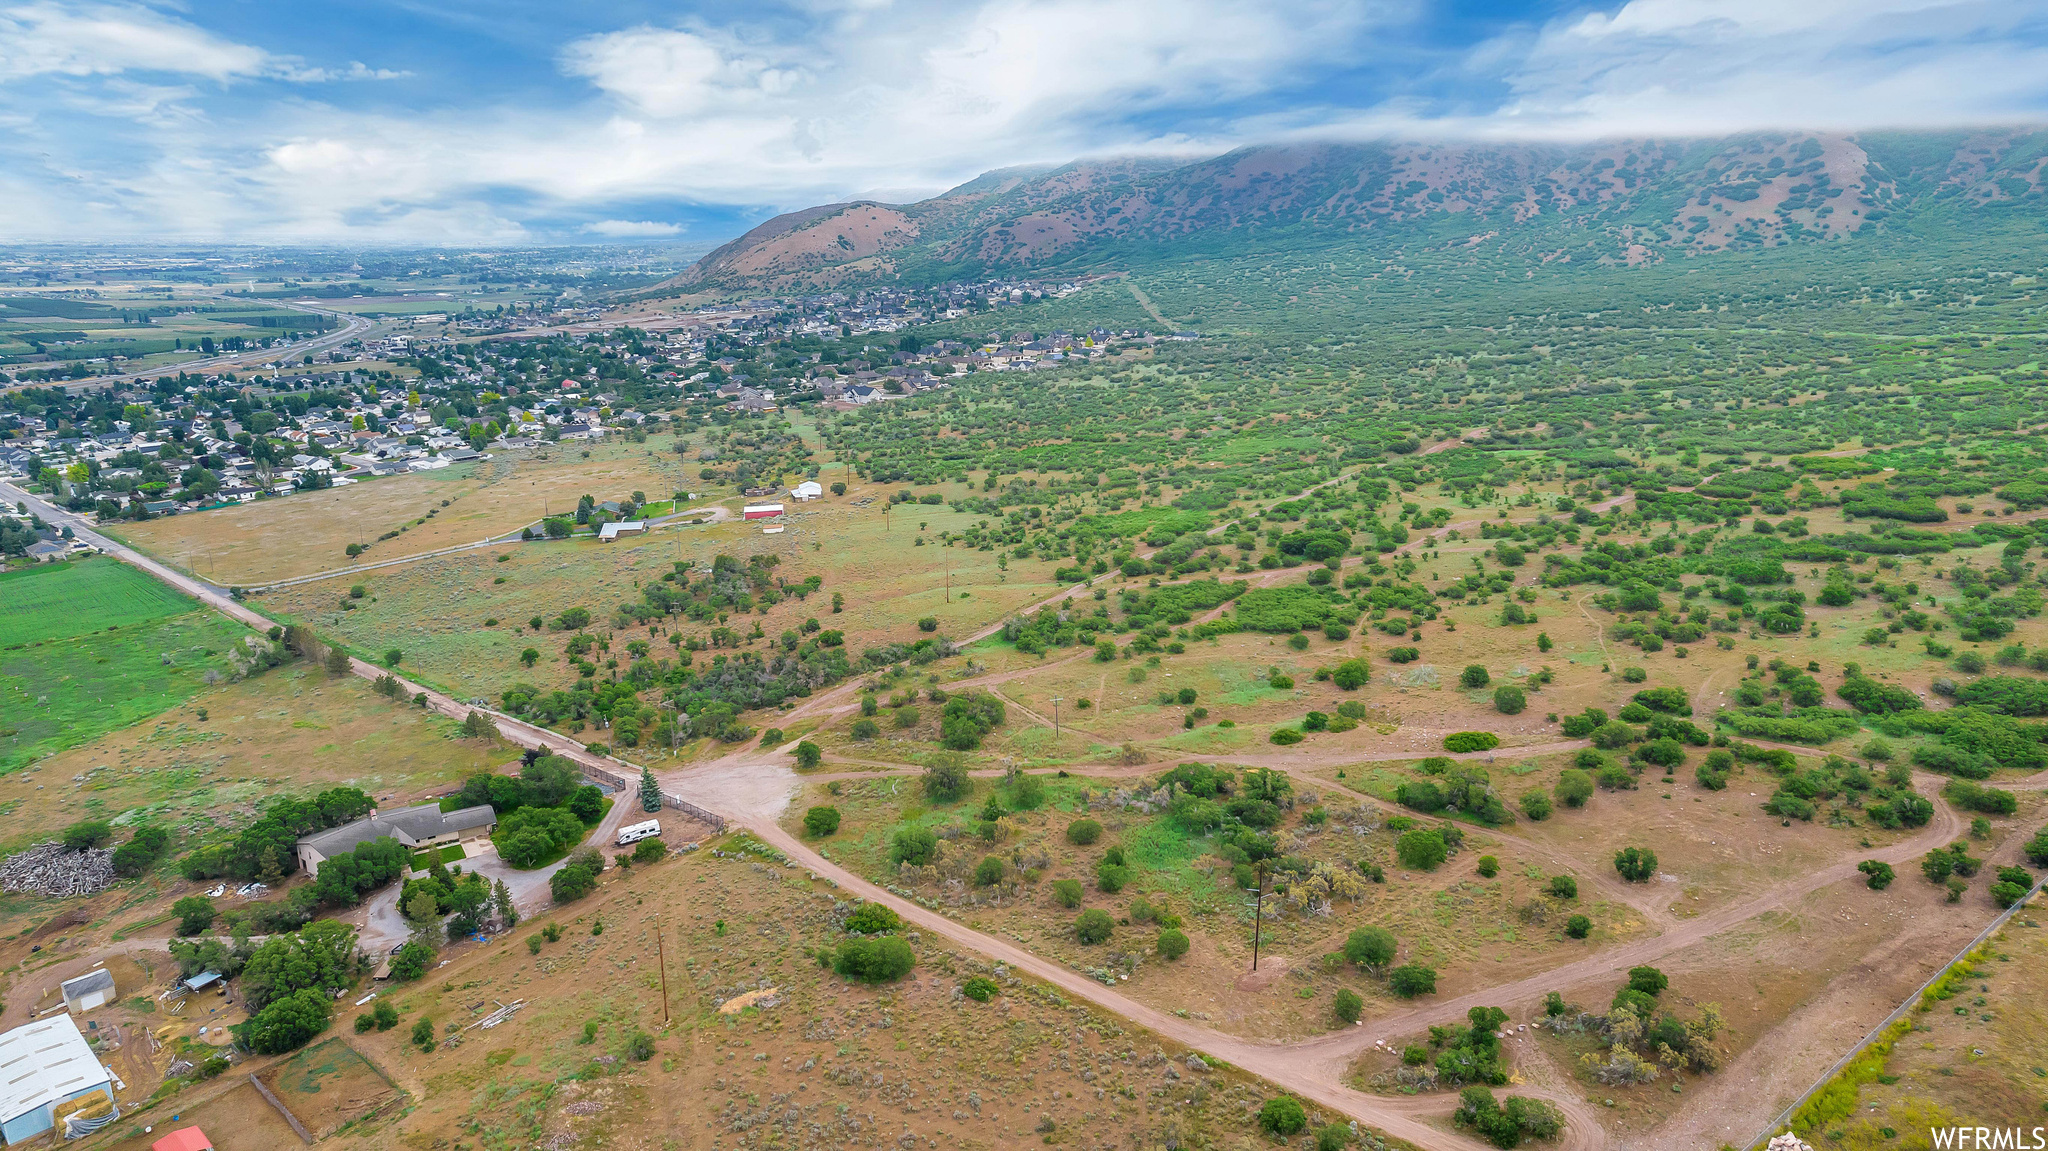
{"x": 1536, "y": 804}
{"x": 1509, "y": 699}
{"x": 981, "y": 989}
{"x": 1574, "y": 787}
{"x": 1474, "y": 677}
{"x": 878, "y": 960}
{"x": 1067, "y": 893}
{"x": 915, "y": 846}
{"x": 1564, "y": 887}
{"x": 1488, "y": 867}
{"x": 1578, "y": 927}
{"x": 1460, "y": 742}
{"x": 1173, "y": 942}
{"x": 1084, "y": 832}
{"x": 1347, "y": 1005}
{"x": 1372, "y": 947}
{"x": 821, "y": 821}
{"x": 1411, "y": 980}
{"x": 1282, "y": 1116}
{"x": 988, "y": 872}
{"x": 872, "y": 919}
{"x": 1878, "y": 873}
{"x": 1094, "y": 926}
{"x": 1422, "y": 848}
{"x": 1636, "y": 864}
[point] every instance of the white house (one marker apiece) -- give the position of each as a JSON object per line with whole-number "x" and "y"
{"x": 423, "y": 825}
{"x": 808, "y": 490}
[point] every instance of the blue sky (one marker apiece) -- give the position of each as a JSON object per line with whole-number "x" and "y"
{"x": 464, "y": 122}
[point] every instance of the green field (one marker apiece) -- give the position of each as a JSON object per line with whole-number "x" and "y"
{"x": 59, "y": 601}
{"x": 59, "y": 695}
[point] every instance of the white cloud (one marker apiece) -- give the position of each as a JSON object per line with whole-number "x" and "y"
{"x": 85, "y": 40}
{"x": 629, "y": 228}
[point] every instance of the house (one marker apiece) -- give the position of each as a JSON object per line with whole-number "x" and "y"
{"x": 760, "y": 511}
{"x": 808, "y": 490}
{"x": 612, "y": 531}
{"x": 183, "y": 1139}
{"x": 47, "y": 1069}
{"x": 423, "y": 825}
{"x": 861, "y": 394}
{"x": 44, "y": 551}
{"x": 89, "y": 991}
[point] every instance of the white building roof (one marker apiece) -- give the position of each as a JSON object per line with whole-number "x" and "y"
{"x": 612, "y": 530}
{"x": 808, "y": 490}
{"x": 45, "y": 1062}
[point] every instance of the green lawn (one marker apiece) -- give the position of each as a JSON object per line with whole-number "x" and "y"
{"x": 58, "y": 601}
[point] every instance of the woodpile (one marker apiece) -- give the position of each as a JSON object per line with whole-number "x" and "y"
{"x": 56, "y": 870}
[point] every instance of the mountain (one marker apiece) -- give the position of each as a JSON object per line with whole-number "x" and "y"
{"x": 1638, "y": 200}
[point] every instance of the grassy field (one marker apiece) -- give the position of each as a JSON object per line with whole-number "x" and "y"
{"x": 308, "y": 532}
{"x": 62, "y": 693}
{"x": 58, "y": 601}
{"x": 818, "y": 1053}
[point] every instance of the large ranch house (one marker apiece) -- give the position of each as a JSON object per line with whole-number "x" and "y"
{"x": 418, "y": 827}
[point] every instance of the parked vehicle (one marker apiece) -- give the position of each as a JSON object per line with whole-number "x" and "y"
{"x": 635, "y": 832}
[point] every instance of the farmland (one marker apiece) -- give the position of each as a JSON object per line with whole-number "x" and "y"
{"x": 67, "y": 600}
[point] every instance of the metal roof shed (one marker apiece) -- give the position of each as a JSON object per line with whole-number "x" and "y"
{"x": 44, "y": 1064}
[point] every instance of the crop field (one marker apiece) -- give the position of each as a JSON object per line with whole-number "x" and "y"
{"x": 816, "y": 1053}
{"x": 308, "y": 532}
{"x": 59, "y": 601}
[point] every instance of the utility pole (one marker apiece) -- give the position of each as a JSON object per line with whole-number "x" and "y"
{"x": 1056, "y": 717}
{"x": 1258, "y": 915}
{"x": 661, "y": 960}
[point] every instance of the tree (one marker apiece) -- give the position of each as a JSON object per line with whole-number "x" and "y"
{"x": 1636, "y": 864}
{"x": 1412, "y": 980}
{"x": 384, "y": 1015}
{"x": 1347, "y": 1005}
{"x": 501, "y": 900}
{"x": 317, "y": 958}
{"x": 88, "y": 834}
{"x": 410, "y": 961}
{"x": 1536, "y": 804}
{"x": 650, "y": 791}
{"x": 423, "y": 1034}
{"x": 946, "y": 779}
{"x": 1094, "y": 926}
{"x": 392, "y": 656}
{"x": 1878, "y": 874}
{"x": 195, "y": 914}
{"x": 1282, "y": 1116}
{"x": 1509, "y": 699}
{"x": 913, "y": 845}
{"x": 337, "y": 661}
{"x": 988, "y": 872}
{"x": 809, "y": 755}
{"x": 821, "y": 821}
{"x": 1421, "y": 848}
{"x": 578, "y": 877}
{"x": 1351, "y": 674}
{"x": 1474, "y": 677}
{"x": 1371, "y": 947}
{"x": 1578, "y": 926}
{"x": 142, "y": 850}
{"x": 1647, "y": 980}
{"x": 288, "y": 1023}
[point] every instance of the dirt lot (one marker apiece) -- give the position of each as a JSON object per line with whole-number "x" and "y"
{"x": 236, "y": 1118}
{"x": 330, "y": 1085}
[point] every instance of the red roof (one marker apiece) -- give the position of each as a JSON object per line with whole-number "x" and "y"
{"x": 187, "y": 1139}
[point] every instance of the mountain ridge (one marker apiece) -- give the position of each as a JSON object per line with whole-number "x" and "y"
{"x": 1639, "y": 200}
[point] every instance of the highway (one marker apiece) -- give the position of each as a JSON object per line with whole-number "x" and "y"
{"x": 353, "y": 327}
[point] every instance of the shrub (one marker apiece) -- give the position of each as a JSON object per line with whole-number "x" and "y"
{"x": 1634, "y": 674}
{"x": 1173, "y": 942}
{"x": 1488, "y": 867}
{"x": 1404, "y": 654}
{"x": 1474, "y": 677}
{"x": 1067, "y": 893}
{"x": 981, "y": 989}
{"x": 1459, "y": 742}
{"x": 650, "y": 851}
{"x": 872, "y": 919}
{"x": 874, "y": 960}
{"x": 1536, "y": 804}
{"x": 1348, "y": 1005}
{"x": 1411, "y": 980}
{"x": 1333, "y": 1137}
{"x": 1509, "y": 699}
{"x": 1647, "y": 980}
{"x": 1421, "y": 848}
{"x": 1282, "y": 1116}
{"x": 946, "y": 781}
{"x": 1352, "y": 674}
{"x": 1084, "y": 832}
{"x": 1564, "y": 887}
{"x": 1879, "y": 873}
{"x": 1372, "y": 947}
{"x": 1574, "y": 787}
{"x": 1093, "y": 926}
{"x": 423, "y": 1034}
{"x": 821, "y": 821}
{"x": 864, "y": 729}
{"x": 1578, "y": 927}
{"x": 1285, "y": 736}
{"x": 195, "y": 914}
{"x": 913, "y": 845}
{"x": 1636, "y": 864}
{"x": 1111, "y": 877}
{"x": 87, "y": 834}
{"x": 988, "y": 872}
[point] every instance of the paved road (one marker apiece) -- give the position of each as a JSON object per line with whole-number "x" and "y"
{"x": 353, "y": 326}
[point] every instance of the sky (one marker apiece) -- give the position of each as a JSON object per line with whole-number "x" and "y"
{"x": 486, "y": 122}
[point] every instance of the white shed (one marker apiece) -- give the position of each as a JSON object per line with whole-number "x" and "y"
{"x": 85, "y": 992}
{"x": 808, "y": 490}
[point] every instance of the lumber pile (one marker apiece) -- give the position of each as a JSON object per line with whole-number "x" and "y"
{"x": 55, "y": 870}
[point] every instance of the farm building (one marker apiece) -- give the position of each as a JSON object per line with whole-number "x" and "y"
{"x": 761, "y": 511}
{"x": 612, "y": 531}
{"x": 88, "y": 991}
{"x": 47, "y": 1069}
{"x": 423, "y": 825}
{"x": 183, "y": 1139}
{"x": 808, "y": 490}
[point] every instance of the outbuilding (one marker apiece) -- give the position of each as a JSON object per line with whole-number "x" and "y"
{"x": 808, "y": 490}
{"x": 761, "y": 511}
{"x": 86, "y": 992}
{"x": 46, "y": 1067}
{"x": 614, "y": 530}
